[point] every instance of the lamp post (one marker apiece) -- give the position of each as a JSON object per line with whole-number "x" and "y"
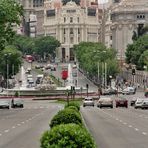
{"x": 7, "y": 55}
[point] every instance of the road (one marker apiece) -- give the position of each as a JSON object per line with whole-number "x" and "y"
{"x": 117, "y": 127}
{"x": 22, "y": 128}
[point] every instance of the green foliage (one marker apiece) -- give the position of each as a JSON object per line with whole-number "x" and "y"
{"x": 66, "y": 1}
{"x": 10, "y": 14}
{"x": 11, "y": 56}
{"x": 135, "y": 51}
{"x": 67, "y": 136}
{"x": 71, "y": 107}
{"x": 89, "y": 54}
{"x": 66, "y": 116}
{"x": 46, "y": 45}
{"x": 16, "y": 94}
{"x": 75, "y": 104}
{"x": 24, "y": 44}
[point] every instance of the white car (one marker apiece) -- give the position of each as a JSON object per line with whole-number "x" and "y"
{"x": 17, "y": 102}
{"x": 88, "y": 101}
{"x": 138, "y": 103}
{"x": 129, "y": 90}
{"x": 4, "y": 103}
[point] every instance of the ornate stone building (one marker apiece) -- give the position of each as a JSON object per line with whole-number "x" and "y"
{"x": 126, "y": 17}
{"x": 70, "y": 25}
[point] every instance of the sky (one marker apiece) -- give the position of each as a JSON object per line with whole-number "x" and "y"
{"x": 102, "y": 1}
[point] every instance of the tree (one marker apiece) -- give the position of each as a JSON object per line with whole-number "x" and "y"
{"x": 10, "y": 14}
{"x": 46, "y": 45}
{"x": 24, "y": 44}
{"x": 134, "y": 52}
{"x": 89, "y": 54}
{"x": 66, "y": 1}
{"x": 11, "y": 56}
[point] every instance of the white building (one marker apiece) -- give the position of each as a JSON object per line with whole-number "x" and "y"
{"x": 126, "y": 16}
{"x": 71, "y": 24}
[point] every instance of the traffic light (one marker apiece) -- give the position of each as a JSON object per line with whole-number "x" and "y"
{"x": 133, "y": 71}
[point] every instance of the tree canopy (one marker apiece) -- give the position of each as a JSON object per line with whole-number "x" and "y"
{"x": 136, "y": 53}
{"x": 10, "y": 14}
{"x": 90, "y": 54}
{"x": 46, "y": 45}
{"x": 11, "y": 56}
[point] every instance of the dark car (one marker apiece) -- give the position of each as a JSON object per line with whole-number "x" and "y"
{"x": 121, "y": 102}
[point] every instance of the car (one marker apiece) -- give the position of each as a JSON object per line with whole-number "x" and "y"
{"x": 138, "y": 103}
{"x": 129, "y": 90}
{"x": 88, "y": 101}
{"x": 109, "y": 91}
{"x": 132, "y": 102}
{"x": 144, "y": 104}
{"x": 17, "y": 102}
{"x": 121, "y": 102}
{"x": 105, "y": 102}
{"x": 4, "y": 103}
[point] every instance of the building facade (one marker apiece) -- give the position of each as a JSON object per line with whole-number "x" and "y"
{"x": 126, "y": 17}
{"x": 71, "y": 24}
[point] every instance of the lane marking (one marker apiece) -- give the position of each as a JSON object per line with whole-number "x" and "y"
{"x": 144, "y": 133}
{"x": 6, "y": 131}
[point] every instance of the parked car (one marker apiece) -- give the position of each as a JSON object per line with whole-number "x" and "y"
{"x": 109, "y": 91}
{"x": 129, "y": 90}
{"x": 105, "y": 102}
{"x": 144, "y": 104}
{"x": 138, "y": 103}
{"x": 121, "y": 102}
{"x": 4, "y": 103}
{"x": 132, "y": 102}
{"x": 88, "y": 101}
{"x": 17, "y": 102}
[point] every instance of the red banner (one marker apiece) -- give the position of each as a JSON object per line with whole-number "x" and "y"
{"x": 64, "y": 74}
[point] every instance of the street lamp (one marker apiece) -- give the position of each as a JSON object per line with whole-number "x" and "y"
{"x": 7, "y": 55}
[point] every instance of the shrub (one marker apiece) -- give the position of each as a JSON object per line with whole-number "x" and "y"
{"x": 72, "y": 107}
{"x": 73, "y": 104}
{"x": 66, "y": 116}
{"x": 67, "y": 136}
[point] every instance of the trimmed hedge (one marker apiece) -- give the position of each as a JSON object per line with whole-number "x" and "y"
{"x": 72, "y": 107}
{"x": 73, "y": 104}
{"x": 66, "y": 116}
{"x": 67, "y": 136}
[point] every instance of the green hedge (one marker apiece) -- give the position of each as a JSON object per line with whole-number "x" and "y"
{"x": 72, "y": 107}
{"x": 66, "y": 116}
{"x": 73, "y": 104}
{"x": 67, "y": 136}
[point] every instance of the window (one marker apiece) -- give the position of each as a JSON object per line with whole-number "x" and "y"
{"x": 64, "y": 31}
{"x": 71, "y": 30}
{"x": 71, "y": 39}
{"x": 78, "y": 30}
{"x": 64, "y": 19}
{"x": 71, "y": 19}
{"x": 110, "y": 37}
{"x": 140, "y": 16}
{"x": 78, "y": 19}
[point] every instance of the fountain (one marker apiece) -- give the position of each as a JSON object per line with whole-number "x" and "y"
{"x": 45, "y": 88}
{"x": 23, "y": 79}
{"x": 70, "y": 80}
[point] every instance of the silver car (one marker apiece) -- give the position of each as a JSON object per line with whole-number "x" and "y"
{"x": 88, "y": 101}
{"x": 17, "y": 102}
{"x": 138, "y": 103}
{"x": 144, "y": 104}
{"x": 4, "y": 103}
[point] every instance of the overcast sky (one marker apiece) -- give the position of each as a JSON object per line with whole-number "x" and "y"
{"x": 102, "y": 1}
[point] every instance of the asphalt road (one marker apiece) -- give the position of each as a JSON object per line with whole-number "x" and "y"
{"x": 22, "y": 128}
{"x": 117, "y": 127}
